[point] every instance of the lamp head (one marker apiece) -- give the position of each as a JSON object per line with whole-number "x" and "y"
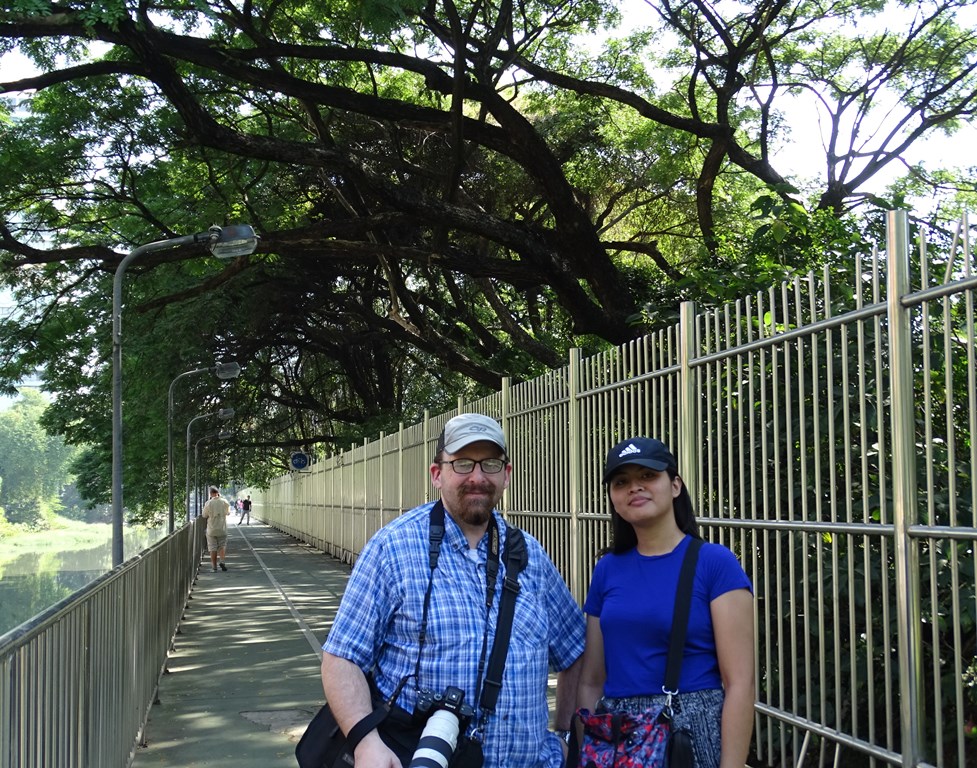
{"x": 225, "y": 413}
{"x": 233, "y": 241}
{"x": 226, "y": 371}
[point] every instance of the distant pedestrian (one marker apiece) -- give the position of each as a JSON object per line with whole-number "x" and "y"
{"x": 216, "y": 511}
{"x": 245, "y": 511}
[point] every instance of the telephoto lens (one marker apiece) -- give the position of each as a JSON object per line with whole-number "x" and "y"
{"x": 438, "y": 741}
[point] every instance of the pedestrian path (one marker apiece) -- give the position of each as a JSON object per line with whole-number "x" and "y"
{"x": 243, "y": 678}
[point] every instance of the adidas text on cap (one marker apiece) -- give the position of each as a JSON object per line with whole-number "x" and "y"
{"x": 468, "y": 428}
{"x": 643, "y": 451}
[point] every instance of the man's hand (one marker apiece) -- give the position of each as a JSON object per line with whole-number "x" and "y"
{"x": 371, "y": 752}
{"x": 348, "y": 694}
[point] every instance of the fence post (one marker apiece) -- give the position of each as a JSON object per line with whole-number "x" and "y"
{"x": 575, "y": 476}
{"x": 505, "y": 405}
{"x": 366, "y": 501}
{"x": 904, "y": 500}
{"x": 400, "y": 468}
{"x": 428, "y": 451}
{"x": 381, "y": 516}
{"x": 687, "y": 448}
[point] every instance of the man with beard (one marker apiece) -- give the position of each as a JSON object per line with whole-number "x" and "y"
{"x": 409, "y": 624}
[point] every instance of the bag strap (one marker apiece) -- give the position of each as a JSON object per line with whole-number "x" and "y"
{"x": 364, "y": 726}
{"x": 516, "y": 558}
{"x": 680, "y": 617}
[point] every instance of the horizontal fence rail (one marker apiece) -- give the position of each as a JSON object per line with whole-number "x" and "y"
{"x": 825, "y": 428}
{"x": 77, "y": 681}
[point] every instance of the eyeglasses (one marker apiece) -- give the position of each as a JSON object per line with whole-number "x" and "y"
{"x": 467, "y": 466}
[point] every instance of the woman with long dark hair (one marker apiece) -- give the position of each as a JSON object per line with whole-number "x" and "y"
{"x": 630, "y": 604}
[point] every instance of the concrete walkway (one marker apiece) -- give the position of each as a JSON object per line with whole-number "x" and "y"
{"x": 243, "y": 679}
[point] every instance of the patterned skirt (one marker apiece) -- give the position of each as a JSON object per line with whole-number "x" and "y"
{"x": 699, "y": 711}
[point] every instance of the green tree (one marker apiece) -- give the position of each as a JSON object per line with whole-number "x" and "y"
{"x": 447, "y": 193}
{"x": 33, "y": 464}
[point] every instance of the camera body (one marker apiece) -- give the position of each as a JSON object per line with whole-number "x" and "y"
{"x": 451, "y": 700}
{"x": 444, "y": 715}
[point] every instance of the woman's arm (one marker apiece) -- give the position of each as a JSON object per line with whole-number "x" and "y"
{"x": 593, "y": 673}
{"x": 732, "y": 620}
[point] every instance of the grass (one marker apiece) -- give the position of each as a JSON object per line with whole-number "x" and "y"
{"x": 64, "y": 534}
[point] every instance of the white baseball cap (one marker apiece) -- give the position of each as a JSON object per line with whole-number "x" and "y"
{"x": 469, "y": 428}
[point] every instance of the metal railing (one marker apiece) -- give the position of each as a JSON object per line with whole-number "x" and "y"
{"x": 78, "y": 680}
{"x": 826, "y": 428}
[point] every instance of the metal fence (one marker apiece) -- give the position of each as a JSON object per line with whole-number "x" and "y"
{"x": 77, "y": 681}
{"x": 825, "y": 428}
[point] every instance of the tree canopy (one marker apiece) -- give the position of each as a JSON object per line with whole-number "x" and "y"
{"x": 447, "y": 193}
{"x": 34, "y": 466}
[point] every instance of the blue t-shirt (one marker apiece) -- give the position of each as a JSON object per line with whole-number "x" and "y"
{"x": 634, "y": 597}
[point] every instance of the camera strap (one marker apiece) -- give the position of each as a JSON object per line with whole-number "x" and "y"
{"x": 516, "y": 558}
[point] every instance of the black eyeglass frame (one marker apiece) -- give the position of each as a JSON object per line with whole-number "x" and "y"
{"x": 479, "y": 462}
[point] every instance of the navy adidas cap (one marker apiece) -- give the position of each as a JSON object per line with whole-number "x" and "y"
{"x": 643, "y": 451}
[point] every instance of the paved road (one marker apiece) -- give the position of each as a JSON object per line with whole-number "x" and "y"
{"x": 243, "y": 678}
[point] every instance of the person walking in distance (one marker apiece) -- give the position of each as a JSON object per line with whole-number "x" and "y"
{"x": 412, "y": 625}
{"x": 216, "y": 511}
{"x": 245, "y": 511}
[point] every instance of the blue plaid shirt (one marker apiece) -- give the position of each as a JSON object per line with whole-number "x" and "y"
{"x": 378, "y": 620}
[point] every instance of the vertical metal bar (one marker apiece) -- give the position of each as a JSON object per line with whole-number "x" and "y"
{"x": 904, "y": 488}
{"x": 428, "y": 437}
{"x": 575, "y": 476}
{"x": 930, "y": 486}
{"x": 687, "y": 447}
{"x": 971, "y": 337}
{"x": 381, "y": 481}
{"x": 507, "y": 429}
{"x": 400, "y": 468}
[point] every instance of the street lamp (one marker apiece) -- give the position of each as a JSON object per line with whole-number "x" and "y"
{"x": 225, "y": 372}
{"x": 223, "y": 242}
{"x": 223, "y": 414}
{"x": 222, "y": 435}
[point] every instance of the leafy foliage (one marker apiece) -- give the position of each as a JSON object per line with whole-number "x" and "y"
{"x": 34, "y": 466}
{"x": 447, "y": 193}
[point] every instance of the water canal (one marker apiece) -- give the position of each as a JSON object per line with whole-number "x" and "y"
{"x": 37, "y": 579}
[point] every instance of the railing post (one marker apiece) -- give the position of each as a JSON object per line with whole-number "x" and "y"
{"x": 575, "y": 476}
{"x": 904, "y": 500}
{"x": 687, "y": 448}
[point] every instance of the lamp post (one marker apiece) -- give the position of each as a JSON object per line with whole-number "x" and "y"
{"x": 225, "y": 372}
{"x": 222, "y": 435}
{"x": 223, "y": 242}
{"x": 223, "y": 413}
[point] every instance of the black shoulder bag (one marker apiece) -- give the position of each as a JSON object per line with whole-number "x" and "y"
{"x": 323, "y": 744}
{"x": 648, "y": 739}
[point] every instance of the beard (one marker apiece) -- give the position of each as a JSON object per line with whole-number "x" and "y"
{"x": 474, "y": 506}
